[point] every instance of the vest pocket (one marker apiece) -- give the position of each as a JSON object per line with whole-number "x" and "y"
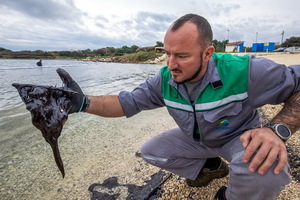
{"x": 185, "y": 120}
{"x": 228, "y": 110}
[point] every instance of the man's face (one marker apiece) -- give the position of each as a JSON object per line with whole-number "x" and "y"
{"x": 184, "y": 53}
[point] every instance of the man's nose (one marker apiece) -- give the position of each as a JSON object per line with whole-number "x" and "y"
{"x": 171, "y": 62}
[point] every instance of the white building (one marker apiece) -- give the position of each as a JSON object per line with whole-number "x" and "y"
{"x": 235, "y": 47}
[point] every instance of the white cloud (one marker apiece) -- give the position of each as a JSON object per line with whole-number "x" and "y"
{"x": 81, "y": 24}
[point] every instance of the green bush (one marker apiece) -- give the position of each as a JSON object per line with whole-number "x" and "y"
{"x": 138, "y": 57}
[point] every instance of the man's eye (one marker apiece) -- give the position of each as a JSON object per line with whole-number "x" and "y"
{"x": 183, "y": 56}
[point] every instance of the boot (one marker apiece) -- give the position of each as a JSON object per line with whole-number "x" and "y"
{"x": 212, "y": 169}
{"x": 221, "y": 194}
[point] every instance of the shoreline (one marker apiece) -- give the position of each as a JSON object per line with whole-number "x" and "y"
{"x": 279, "y": 56}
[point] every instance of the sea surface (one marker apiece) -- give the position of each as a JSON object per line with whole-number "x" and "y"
{"x": 94, "y": 78}
{"x": 19, "y": 139}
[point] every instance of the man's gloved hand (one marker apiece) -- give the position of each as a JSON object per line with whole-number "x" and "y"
{"x": 78, "y": 99}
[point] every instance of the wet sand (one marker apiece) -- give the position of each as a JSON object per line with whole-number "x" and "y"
{"x": 92, "y": 149}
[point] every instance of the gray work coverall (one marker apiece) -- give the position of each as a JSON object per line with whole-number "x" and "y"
{"x": 178, "y": 151}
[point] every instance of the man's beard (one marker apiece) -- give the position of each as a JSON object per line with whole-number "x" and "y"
{"x": 192, "y": 77}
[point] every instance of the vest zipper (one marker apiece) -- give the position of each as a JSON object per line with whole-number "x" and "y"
{"x": 196, "y": 135}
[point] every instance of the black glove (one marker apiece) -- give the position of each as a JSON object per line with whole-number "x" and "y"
{"x": 79, "y": 100}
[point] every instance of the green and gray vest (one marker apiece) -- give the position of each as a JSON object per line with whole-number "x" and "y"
{"x": 233, "y": 71}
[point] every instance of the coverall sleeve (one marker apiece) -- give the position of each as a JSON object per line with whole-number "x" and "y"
{"x": 146, "y": 96}
{"x": 270, "y": 82}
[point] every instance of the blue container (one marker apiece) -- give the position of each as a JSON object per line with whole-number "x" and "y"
{"x": 257, "y": 46}
{"x": 254, "y": 47}
{"x": 240, "y": 47}
{"x": 269, "y": 46}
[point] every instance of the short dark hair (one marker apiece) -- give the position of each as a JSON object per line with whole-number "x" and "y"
{"x": 205, "y": 34}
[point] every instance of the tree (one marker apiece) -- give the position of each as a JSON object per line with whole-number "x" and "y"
{"x": 291, "y": 42}
{"x": 126, "y": 49}
{"x": 219, "y": 45}
{"x": 100, "y": 52}
{"x": 133, "y": 48}
{"x": 110, "y": 51}
{"x": 2, "y": 49}
{"x": 85, "y": 52}
{"x": 120, "y": 51}
{"x": 159, "y": 44}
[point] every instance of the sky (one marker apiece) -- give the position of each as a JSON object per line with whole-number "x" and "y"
{"x": 57, "y": 25}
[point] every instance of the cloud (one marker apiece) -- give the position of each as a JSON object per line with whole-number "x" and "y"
{"x": 39, "y": 24}
{"x": 51, "y": 10}
{"x": 141, "y": 28}
{"x": 219, "y": 9}
{"x": 149, "y": 26}
{"x": 81, "y": 24}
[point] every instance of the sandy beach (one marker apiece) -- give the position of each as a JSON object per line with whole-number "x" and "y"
{"x": 91, "y": 151}
{"x": 94, "y": 149}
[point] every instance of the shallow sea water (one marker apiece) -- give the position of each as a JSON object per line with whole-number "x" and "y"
{"x": 27, "y": 167}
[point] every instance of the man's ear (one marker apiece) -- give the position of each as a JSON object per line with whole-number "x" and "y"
{"x": 207, "y": 53}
